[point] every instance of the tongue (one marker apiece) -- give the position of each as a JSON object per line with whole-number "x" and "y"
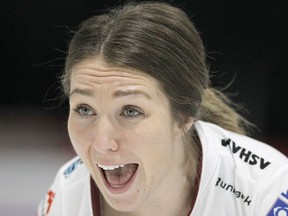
{"x": 120, "y": 176}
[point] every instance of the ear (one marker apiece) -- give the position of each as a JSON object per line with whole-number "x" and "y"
{"x": 184, "y": 125}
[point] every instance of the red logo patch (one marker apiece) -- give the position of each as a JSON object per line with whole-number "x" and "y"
{"x": 51, "y": 196}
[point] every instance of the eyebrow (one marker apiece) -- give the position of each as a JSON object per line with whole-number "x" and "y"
{"x": 81, "y": 92}
{"x": 119, "y": 93}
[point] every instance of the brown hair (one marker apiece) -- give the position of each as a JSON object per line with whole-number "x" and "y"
{"x": 160, "y": 40}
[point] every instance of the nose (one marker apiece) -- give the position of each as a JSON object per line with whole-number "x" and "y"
{"x": 104, "y": 136}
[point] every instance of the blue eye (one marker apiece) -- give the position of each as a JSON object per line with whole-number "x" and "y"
{"x": 131, "y": 112}
{"x": 84, "y": 110}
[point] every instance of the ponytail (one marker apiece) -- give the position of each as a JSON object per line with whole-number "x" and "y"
{"x": 218, "y": 109}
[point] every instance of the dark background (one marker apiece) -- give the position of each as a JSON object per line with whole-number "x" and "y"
{"x": 247, "y": 47}
{"x": 246, "y": 42}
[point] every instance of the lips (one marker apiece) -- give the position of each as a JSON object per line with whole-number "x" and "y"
{"x": 118, "y": 178}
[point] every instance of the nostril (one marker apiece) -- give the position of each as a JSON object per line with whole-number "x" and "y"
{"x": 103, "y": 146}
{"x": 114, "y": 146}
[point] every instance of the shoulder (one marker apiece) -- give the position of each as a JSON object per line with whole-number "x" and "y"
{"x": 254, "y": 169}
{"x": 252, "y": 157}
{"x": 72, "y": 179}
{"x": 71, "y": 172}
{"x": 74, "y": 167}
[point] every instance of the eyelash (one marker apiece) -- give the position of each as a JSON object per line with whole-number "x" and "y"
{"x": 131, "y": 108}
{"x": 80, "y": 108}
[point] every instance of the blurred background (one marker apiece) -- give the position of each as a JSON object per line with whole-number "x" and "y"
{"x": 246, "y": 42}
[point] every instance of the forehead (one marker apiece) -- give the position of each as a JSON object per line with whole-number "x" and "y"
{"x": 97, "y": 67}
{"x": 95, "y": 73}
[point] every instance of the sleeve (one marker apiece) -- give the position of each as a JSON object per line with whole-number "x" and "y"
{"x": 50, "y": 205}
{"x": 272, "y": 199}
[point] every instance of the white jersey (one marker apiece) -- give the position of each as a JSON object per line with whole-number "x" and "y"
{"x": 240, "y": 177}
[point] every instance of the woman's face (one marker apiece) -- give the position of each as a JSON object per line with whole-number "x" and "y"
{"x": 121, "y": 126}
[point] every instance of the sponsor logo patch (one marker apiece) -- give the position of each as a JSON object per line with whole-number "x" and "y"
{"x": 245, "y": 155}
{"x": 47, "y": 203}
{"x": 230, "y": 188}
{"x": 51, "y": 196}
{"x": 72, "y": 168}
{"x": 280, "y": 207}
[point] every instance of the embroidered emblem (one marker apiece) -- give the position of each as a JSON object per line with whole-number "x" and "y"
{"x": 280, "y": 207}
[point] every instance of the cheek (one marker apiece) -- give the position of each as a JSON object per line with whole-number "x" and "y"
{"x": 156, "y": 154}
{"x": 78, "y": 137}
{"x": 153, "y": 142}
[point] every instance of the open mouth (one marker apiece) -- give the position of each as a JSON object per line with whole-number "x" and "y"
{"x": 118, "y": 178}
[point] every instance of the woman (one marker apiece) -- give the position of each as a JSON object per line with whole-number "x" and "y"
{"x": 140, "y": 104}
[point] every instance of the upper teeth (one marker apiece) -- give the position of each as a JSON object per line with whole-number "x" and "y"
{"x": 109, "y": 167}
